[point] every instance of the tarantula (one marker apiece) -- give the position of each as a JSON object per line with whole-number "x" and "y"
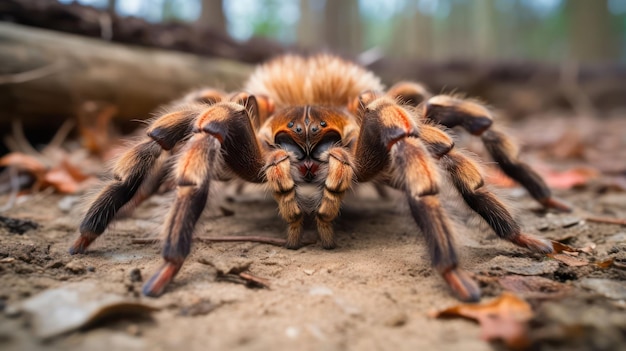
{"x": 325, "y": 122}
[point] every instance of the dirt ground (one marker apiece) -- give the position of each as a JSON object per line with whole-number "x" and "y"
{"x": 373, "y": 292}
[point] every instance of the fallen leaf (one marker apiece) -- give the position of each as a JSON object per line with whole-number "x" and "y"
{"x": 24, "y": 163}
{"x": 58, "y": 311}
{"x": 569, "y": 178}
{"x": 562, "y": 248}
{"x": 64, "y": 178}
{"x": 555, "y": 179}
{"x": 606, "y": 263}
{"x": 504, "y": 318}
{"x": 569, "y": 260}
{"x": 94, "y": 126}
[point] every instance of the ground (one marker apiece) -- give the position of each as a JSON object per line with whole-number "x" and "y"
{"x": 374, "y": 292}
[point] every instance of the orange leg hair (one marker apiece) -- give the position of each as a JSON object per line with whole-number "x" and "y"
{"x": 388, "y": 144}
{"x": 477, "y": 120}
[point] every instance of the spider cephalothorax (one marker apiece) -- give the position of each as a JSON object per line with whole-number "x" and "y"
{"x": 325, "y": 122}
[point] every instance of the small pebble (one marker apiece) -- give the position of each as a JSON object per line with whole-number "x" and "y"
{"x": 55, "y": 265}
{"x": 12, "y": 311}
{"x": 292, "y": 332}
{"x": 91, "y": 269}
{"x": 309, "y": 271}
{"x": 320, "y": 291}
{"x": 396, "y": 320}
{"x": 135, "y": 275}
{"x": 75, "y": 267}
{"x": 133, "y": 330}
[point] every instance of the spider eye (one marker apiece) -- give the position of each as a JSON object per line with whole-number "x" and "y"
{"x": 285, "y": 142}
{"x": 329, "y": 140}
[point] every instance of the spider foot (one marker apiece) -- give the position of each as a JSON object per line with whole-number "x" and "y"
{"x": 556, "y": 204}
{"x": 155, "y": 286}
{"x": 533, "y": 243}
{"x": 462, "y": 285}
{"x": 81, "y": 244}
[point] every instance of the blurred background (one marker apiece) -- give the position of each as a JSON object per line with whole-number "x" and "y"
{"x": 554, "y": 71}
{"x": 545, "y": 30}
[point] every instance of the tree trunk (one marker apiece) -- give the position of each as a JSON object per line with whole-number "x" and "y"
{"x": 45, "y": 76}
{"x": 343, "y": 26}
{"x": 212, "y": 15}
{"x": 592, "y": 36}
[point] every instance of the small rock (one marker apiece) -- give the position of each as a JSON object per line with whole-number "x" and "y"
{"x": 7, "y": 260}
{"x": 133, "y": 330}
{"x": 292, "y": 332}
{"x": 611, "y": 289}
{"x": 75, "y": 267}
{"x": 309, "y": 271}
{"x": 3, "y": 305}
{"x": 12, "y": 311}
{"x": 55, "y": 265}
{"x": 396, "y": 320}
{"x": 68, "y": 202}
{"x": 91, "y": 269}
{"x": 320, "y": 291}
{"x": 135, "y": 275}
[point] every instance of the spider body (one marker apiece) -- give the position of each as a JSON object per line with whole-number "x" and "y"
{"x": 325, "y": 122}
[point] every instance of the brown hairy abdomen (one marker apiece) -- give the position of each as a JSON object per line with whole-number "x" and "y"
{"x": 317, "y": 80}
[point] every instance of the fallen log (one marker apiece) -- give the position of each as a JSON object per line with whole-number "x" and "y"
{"x": 99, "y": 23}
{"x": 45, "y": 76}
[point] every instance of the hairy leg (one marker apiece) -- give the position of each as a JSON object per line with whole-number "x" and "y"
{"x": 338, "y": 181}
{"x": 136, "y": 174}
{"x": 278, "y": 173}
{"x": 389, "y": 144}
{"x": 468, "y": 180}
{"x": 193, "y": 174}
{"x": 223, "y": 137}
{"x": 477, "y": 120}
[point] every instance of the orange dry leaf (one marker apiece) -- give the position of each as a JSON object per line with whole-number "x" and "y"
{"x": 555, "y": 179}
{"x": 570, "y": 178}
{"x": 606, "y": 263}
{"x": 94, "y": 124}
{"x": 504, "y": 318}
{"x": 572, "y": 251}
{"x": 24, "y": 163}
{"x": 64, "y": 178}
{"x": 569, "y": 260}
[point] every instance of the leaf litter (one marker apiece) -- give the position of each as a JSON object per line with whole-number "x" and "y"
{"x": 503, "y": 318}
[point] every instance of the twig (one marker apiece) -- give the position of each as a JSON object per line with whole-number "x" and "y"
{"x": 234, "y": 238}
{"x": 20, "y": 139}
{"x": 580, "y": 101}
{"x": 606, "y": 220}
{"x": 217, "y": 239}
{"x": 255, "y": 280}
{"x": 34, "y": 74}
{"x": 254, "y": 239}
{"x": 61, "y": 134}
{"x": 15, "y": 188}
